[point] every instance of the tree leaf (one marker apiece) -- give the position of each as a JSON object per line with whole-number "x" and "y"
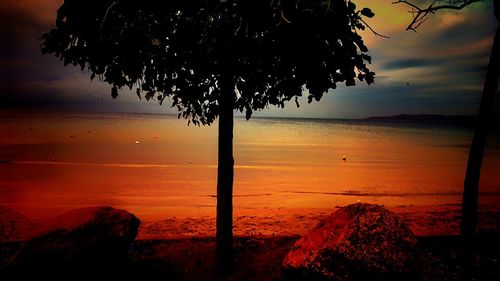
{"x": 114, "y": 92}
{"x": 367, "y": 12}
{"x": 248, "y": 114}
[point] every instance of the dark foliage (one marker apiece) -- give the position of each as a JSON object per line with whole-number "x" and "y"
{"x": 188, "y": 50}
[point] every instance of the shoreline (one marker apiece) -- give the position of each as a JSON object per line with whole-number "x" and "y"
{"x": 184, "y": 248}
{"x": 424, "y": 221}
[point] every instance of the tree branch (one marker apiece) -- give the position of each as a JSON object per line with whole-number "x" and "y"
{"x": 420, "y": 14}
{"x": 372, "y": 30}
{"x": 107, "y": 11}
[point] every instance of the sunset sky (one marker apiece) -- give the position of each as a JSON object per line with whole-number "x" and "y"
{"x": 439, "y": 69}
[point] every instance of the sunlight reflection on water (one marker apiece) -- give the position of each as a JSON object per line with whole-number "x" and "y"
{"x": 156, "y": 165}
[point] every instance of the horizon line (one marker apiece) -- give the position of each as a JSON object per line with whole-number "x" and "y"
{"x": 237, "y": 114}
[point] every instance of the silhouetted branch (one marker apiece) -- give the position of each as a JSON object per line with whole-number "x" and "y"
{"x": 420, "y": 14}
{"x": 372, "y": 30}
{"x": 107, "y": 12}
{"x": 283, "y": 17}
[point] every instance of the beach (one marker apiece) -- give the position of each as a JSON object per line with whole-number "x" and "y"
{"x": 164, "y": 171}
{"x": 184, "y": 248}
{"x": 290, "y": 175}
{"x": 287, "y": 171}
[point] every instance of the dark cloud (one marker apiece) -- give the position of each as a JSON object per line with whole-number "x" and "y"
{"x": 21, "y": 26}
{"x": 22, "y": 23}
{"x": 407, "y": 63}
{"x": 439, "y": 69}
{"x": 399, "y": 97}
{"x": 478, "y": 23}
{"x": 30, "y": 80}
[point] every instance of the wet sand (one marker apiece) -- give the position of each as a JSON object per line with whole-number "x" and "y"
{"x": 423, "y": 221}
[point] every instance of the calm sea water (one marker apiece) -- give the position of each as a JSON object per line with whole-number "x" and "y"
{"x": 157, "y": 166}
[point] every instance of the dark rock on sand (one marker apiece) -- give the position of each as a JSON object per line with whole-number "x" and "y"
{"x": 14, "y": 226}
{"x": 83, "y": 241}
{"x": 359, "y": 239}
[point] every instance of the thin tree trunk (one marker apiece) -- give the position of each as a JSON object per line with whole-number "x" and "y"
{"x": 472, "y": 174}
{"x": 225, "y": 174}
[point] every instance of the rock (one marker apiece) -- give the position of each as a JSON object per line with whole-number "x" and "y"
{"x": 14, "y": 227}
{"x": 359, "y": 239}
{"x": 83, "y": 240}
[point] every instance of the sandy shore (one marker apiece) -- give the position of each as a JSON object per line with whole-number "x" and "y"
{"x": 441, "y": 220}
{"x": 183, "y": 248}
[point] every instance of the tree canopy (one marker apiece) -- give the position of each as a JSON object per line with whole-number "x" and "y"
{"x": 193, "y": 52}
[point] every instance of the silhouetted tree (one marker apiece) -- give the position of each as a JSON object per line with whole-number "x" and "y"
{"x": 210, "y": 57}
{"x": 476, "y": 152}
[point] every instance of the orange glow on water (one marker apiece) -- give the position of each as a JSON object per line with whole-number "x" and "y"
{"x": 58, "y": 163}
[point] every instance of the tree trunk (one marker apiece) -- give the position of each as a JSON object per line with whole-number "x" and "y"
{"x": 476, "y": 152}
{"x": 225, "y": 174}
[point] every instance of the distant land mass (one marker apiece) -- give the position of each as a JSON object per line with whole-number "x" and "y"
{"x": 462, "y": 120}
{"x": 424, "y": 117}
{"x": 437, "y": 119}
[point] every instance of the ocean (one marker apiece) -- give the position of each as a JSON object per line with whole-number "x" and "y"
{"x": 156, "y": 166}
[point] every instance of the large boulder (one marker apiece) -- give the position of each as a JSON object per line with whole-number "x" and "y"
{"x": 14, "y": 227}
{"x": 356, "y": 240}
{"x": 80, "y": 241}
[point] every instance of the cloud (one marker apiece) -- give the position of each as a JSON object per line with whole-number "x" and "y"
{"x": 23, "y": 22}
{"x": 30, "y": 80}
{"x": 444, "y": 62}
{"x": 407, "y": 63}
{"x": 439, "y": 69}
